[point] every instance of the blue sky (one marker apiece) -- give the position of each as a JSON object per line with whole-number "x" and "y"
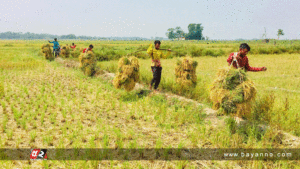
{"x": 221, "y": 19}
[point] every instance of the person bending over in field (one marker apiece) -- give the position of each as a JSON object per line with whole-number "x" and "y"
{"x": 240, "y": 60}
{"x": 156, "y": 54}
{"x": 73, "y": 46}
{"x": 90, "y": 48}
{"x": 56, "y": 47}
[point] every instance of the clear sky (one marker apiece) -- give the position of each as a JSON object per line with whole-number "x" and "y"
{"x": 221, "y": 19}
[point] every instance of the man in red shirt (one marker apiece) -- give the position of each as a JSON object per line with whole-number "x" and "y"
{"x": 88, "y": 49}
{"x": 240, "y": 60}
{"x": 73, "y": 46}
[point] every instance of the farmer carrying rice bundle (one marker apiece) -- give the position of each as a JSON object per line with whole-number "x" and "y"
{"x": 232, "y": 90}
{"x": 240, "y": 60}
{"x": 156, "y": 54}
{"x": 88, "y": 61}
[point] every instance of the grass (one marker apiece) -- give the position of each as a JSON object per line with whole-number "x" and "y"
{"x": 66, "y": 109}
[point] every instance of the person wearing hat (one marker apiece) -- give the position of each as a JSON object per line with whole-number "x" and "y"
{"x": 156, "y": 54}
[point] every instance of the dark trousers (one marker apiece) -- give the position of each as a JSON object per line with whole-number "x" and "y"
{"x": 55, "y": 51}
{"x": 156, "y": 76}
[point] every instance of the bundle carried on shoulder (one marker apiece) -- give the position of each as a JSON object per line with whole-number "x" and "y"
{"x": 65, "y": 51}
{"x": 88, "y": 63}
{"x": 46, "y": 49}
{"x": 233, "y": 91}
{"x": 128, "y": 73}
{"x": 185, "y": 72}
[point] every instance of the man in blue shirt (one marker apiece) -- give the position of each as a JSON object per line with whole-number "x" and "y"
{"x": 56, "y": 47}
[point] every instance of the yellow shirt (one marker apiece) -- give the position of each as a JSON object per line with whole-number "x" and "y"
{"x": 156, "y": 55}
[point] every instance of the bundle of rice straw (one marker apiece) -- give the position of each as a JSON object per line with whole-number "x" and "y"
{"x": 75, "y": 53}
{"x": 81, "y": 50}
{"x": 46, "y": 49}
{"x": 65, "y": 51}
{"x": 88, "y": 63}
{"x": 185, "y": 72}
{"x": 233, "y": 92}
{"x": 128, "y": 73}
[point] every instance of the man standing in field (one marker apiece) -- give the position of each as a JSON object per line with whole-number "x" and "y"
{"x": 156, "y": 54}
{"x": 55, "y": 47}
{"x": 240, "y": 60}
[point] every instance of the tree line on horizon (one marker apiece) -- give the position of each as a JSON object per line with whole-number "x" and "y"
{"x": 28, "y": 35}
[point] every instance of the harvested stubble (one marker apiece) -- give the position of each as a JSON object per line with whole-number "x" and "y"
{"x": 1, "y": 90}
{"x": 185, "y": 72}
{"x": 88, "y": 63}
{"x": 65, "y": 51}
{"x": 233, "y": 92}
{"x": 128, "y": 73}
{"x": 46, "y": 49}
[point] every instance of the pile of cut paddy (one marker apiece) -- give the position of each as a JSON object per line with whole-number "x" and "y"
{"x": 75, "y": 53}
{"x": 233, "y": 92}
{"x": 46, "y": 49}
{"x": 185, "y": 73}
{"x": 65, "y": 51}
{"x": 128, "y": 73}
{"x": 88, "y": 63}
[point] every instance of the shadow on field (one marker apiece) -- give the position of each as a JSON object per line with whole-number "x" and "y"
{"x": 134, "y": 95}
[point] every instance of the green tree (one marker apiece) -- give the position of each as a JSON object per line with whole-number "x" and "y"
{"x": 280, "y": 32}
{"x": 195, "y": 32}
{"x": 178, "y": 32}
{"x": 171, "y": 34}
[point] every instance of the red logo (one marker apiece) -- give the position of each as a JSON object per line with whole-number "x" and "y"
{"x": 38, "y": 154}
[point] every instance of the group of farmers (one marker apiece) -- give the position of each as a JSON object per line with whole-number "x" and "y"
{"x": 236, "y": 59}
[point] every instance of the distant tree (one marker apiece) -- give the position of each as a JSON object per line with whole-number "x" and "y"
{"x": 171, "y": 34}
{"x": 195, "y": 31}
{"x": 206, "y": 38}
{"x": 280, "y": 32}
{"x": 178, "y": 32}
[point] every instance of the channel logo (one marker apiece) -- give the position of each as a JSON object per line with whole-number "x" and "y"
{"x": 38, "y": 154}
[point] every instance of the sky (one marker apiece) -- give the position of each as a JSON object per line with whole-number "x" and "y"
{"x": 221, "y": 19}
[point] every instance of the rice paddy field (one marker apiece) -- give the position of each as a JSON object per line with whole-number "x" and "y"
{"x": 45, "y": 104}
